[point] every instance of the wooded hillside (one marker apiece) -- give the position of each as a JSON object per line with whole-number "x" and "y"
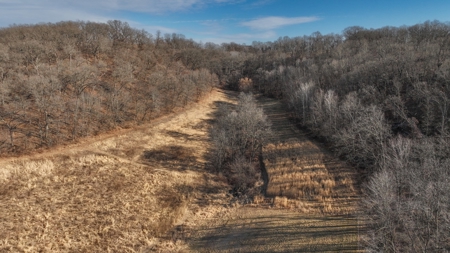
{"x": 380, "y": 98}
{"x": 59, "y": 82}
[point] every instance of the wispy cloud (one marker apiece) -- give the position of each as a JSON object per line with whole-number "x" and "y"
{"x": 259, "y": 3}
{"x": 34, "y": 11}
{"x": 205, "y": 21}
{"x": 31, "y": 12}
{"x": 150, "y": 6}
{"x": 270, "y": 23}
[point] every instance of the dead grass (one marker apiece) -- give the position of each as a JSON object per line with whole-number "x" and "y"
{"x": 299, "y": 171}
{"x": 251, "y": 229}
{"x": 312, "y": 180}
{"x": 310, "y": 205}
{"x": 117, "y": 194}
{"x": 86, "y": 203}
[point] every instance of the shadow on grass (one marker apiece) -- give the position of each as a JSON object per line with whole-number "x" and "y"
{"x": 172, "y": 157}
{"x": 292, "y": 157}
{"x": 282, "y": 232}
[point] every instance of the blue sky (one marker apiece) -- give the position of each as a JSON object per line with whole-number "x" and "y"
{"x": 240, "y": 21}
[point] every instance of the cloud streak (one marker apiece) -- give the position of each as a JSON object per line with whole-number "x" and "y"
{"x": 270, "y": 23}
{"x": 148, "y": 6}
{"x": 36, "y": 11}
{"x": 25, "y": 11}
{"x": 33, "y": 13}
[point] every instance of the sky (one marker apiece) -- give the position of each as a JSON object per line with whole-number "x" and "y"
{"x": 224, "y": 21}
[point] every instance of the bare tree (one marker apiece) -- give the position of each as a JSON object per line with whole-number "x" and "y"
{"x": 46, "y": 93}
{"x": 364, "y": 132}
{"x": 78, "y": 81}
{"x": 238, "y": 137}
{"x": 408, "y": 199}
{"x": 12, "y": 118}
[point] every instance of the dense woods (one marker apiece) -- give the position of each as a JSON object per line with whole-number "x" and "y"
{"x": 380, "y": 98}
{"x": 59, "y": 82}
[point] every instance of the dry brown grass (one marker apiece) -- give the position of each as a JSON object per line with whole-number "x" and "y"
{"x": 120, "y": 194}
{"x": 310, "y": 178}
{"x": 147, "y": 190}
{"x": 311, "y": 207}
{"x": 299, "y": 171}
{"x": 251, "y": 229}
{"x": 86, "y": 203}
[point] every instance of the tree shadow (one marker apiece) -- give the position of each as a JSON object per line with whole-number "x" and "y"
{"x": 171, "y": 157}
{"x": 279, "y": 231}
{"x": 183, "y": 136}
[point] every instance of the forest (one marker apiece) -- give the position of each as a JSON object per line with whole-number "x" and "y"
{"x": 379, "y": 98}
{"x": 60, "y": 82}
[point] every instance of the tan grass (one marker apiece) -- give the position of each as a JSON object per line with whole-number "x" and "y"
{"x": 253, "y": 229}
{"x": 26, "y": 168}
{"x": 258, "y": 199}
{"x": 88, "y": 203}
{"x": 280, "y": 201}
{"x": 300, "y": 170}
{"x": 104, "y": 197}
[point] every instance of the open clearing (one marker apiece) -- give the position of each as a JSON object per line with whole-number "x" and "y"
{"x": 151, "y": 189}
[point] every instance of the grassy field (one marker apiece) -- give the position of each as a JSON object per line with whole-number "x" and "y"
{"x": 302, "y": 173}
{"x": 257, "y": 229}
{"x": 122, "y": 192}
{"x": 152, "y": 189}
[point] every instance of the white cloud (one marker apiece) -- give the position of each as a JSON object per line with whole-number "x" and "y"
{"x": 269, "y": 23}
{"x": 36, "y": 11}
{"x": 148, "y": 6}
{"x": 259, "y": 3}
{"x": 31, "y": 12}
